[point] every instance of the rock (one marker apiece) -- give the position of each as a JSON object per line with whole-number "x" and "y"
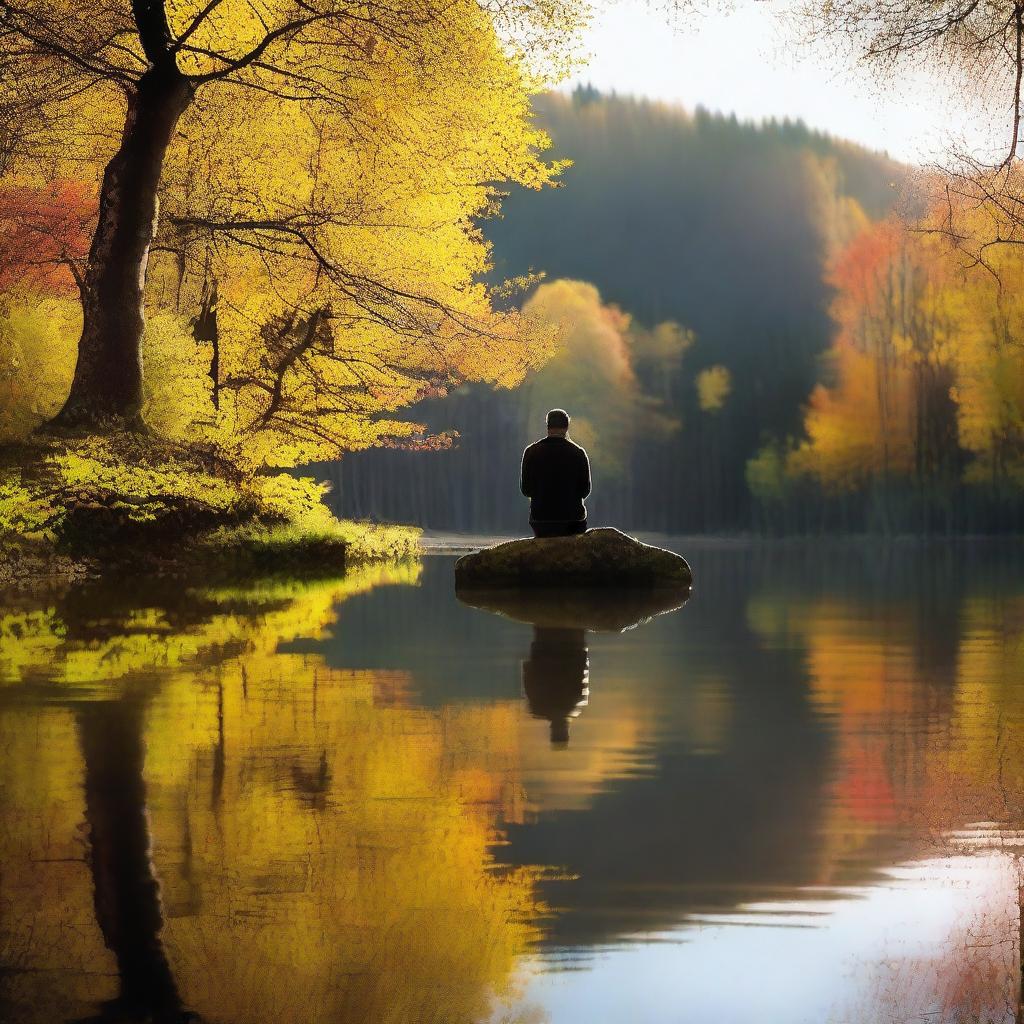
{"x": 599, "y": 609}
{"x": 598, "y": 558}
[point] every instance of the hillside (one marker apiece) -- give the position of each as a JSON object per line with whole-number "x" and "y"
{"x": 721, "y": 226}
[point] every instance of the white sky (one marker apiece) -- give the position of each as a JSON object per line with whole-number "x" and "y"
{"x": 749, "y": 61}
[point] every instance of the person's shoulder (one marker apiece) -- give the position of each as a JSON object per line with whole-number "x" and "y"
{"x": 532, "y": 447}
{"x": 578, "y": 447}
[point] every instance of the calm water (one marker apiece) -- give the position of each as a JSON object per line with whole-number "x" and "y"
{"x": 798, "y": 798}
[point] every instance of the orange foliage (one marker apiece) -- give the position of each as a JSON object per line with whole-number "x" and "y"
{"x": 890, "y": 408}
{"x": 44, "y": 235}
{"x": 851, "y": 427}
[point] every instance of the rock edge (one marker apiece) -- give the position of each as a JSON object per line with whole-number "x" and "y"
{"x": 604, "y": 557}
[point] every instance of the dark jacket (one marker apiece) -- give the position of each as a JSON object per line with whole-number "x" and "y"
{"x": 556, "y": 479}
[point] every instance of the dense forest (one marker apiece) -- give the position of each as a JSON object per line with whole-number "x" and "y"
{"x": 689, "y": 255}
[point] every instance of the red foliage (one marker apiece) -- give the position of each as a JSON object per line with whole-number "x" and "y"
{"x": 43, "y": 233}
{"x": 864, "y": 789}
{"x": 859, "y": 270}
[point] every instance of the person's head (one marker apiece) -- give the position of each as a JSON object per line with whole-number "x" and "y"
{"x": 558, "y": 423}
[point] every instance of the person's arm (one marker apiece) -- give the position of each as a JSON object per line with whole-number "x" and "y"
{"x": 525, "y": 476}
{"x": 585, "y": 482}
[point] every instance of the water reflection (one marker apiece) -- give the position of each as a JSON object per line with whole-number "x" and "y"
{"x": 126, "y": 893}
{"x": 192, "y": 819}
{"x": 291, "y": 801}
{"x": 555, "y": 678}
{"x": 594, "y": 609}
{"x": 556, "y": 675}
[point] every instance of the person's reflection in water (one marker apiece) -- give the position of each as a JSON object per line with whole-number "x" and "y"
{"x": 556, "y": 677}
{"x": 127, "y": 893}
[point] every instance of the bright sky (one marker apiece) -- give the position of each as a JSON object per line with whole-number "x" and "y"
{"x": 748, "y": 61}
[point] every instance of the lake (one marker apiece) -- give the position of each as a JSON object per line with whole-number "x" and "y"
{"x": 797, "y": 798}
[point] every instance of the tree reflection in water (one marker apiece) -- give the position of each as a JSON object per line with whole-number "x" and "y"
{"x": 210, "y": 805}
{"x": 198, "y": 826}
{"x": 126, "y": 892}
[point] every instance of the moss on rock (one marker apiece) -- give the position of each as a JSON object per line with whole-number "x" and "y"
{"x": 598, "y": 558}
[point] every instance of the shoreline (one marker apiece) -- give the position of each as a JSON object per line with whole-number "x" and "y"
{"x": 440, "y": 542}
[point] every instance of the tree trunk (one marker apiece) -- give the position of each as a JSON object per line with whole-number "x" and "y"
{"x": 204, "y": 328}
{"x": 107, "y": 386}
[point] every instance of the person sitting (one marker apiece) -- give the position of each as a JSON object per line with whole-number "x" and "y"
{"x": 556, "y": 479}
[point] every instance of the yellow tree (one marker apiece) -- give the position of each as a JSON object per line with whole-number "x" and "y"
{"x": 989, "y": 355}
{"x": 889, "y": 413}
{"x": 260, "y": 125}
{"x": 595, "y": 372}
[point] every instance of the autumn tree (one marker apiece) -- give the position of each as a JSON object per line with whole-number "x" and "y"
{"x": 989, "y": 388}
{"x": 251, "y": 125}
{"x": 922, "y": 393}
{"x": 888, "y": 414}
{"x": 979, "y": 47}
{"x": 595, "y": 373}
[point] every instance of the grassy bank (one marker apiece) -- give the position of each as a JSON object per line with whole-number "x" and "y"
{"x": 73, "y": 506}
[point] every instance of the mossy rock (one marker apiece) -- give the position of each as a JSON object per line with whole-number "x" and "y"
{"x": 598, "y": 558}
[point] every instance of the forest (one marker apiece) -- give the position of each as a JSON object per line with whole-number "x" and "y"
{"x": 764, "y": 328}
{"x": 688, "y": 253}
{"x": 239, "y": 237}
{"x": 240, "y": 245}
